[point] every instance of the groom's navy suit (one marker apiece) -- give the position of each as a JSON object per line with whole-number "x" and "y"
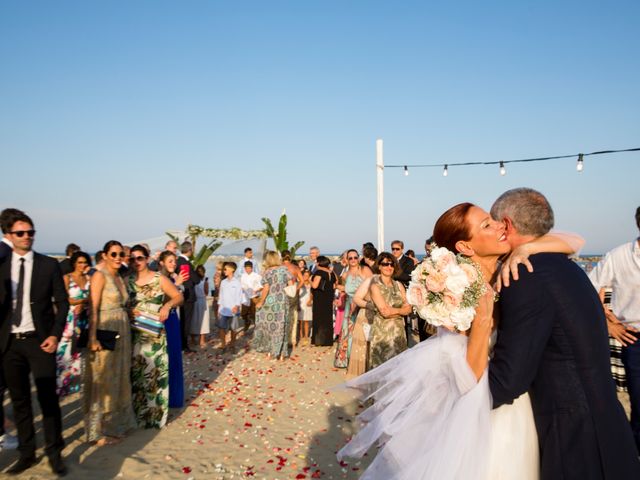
{"x": 553, "y": 343}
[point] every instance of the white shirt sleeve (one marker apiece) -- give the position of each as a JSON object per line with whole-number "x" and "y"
{"x": 602, "y": 275}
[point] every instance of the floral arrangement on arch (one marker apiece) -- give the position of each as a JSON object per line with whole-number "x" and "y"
{"x": 445, "y": 289}
{"x": 233, "y": 233}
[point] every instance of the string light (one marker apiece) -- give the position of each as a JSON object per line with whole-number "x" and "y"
{"x": 502, "y": 163}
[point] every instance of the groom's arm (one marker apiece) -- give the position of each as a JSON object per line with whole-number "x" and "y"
{"x": 525, "y": 326}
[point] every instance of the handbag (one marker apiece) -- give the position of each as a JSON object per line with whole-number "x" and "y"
{"x": 148, "y": 324}
{"x": 290, "y": 290}
{"x": 106, "y": 338}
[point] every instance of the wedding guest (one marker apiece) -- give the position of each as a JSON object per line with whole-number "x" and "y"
{"x": 340, "y": 264}
{"x": 248, "y": 257}
{"x": 125, "y": 269}
{"x": 412, "y": 255}
{"x": 323, "y": 283}
{"x": 167, "y": 261}
{"x": 200, "y": 323}
{"x": 369, "y": 255}
{"x": 339, "y": 302}
{"x": 155, "y": 295}
{"x": 272, "y": 309}
{"x": 34, "y": 306}
{"x": 65, "y": 265}
{"x": 302, "y": 264}
{"x": 295, "y": 272}
{"x": 389, "y": 298}
{"x": 620, "y": 270}
{"x": 218, "y": 276}
{"x": 7, "y": 441}
{"x": 68, "y": 355}
{"x": 351, "y": 279}
{"x": 305, "y": 314}
{"x": 99, "y": 262}
{"x": 251, "y": 283}
{"x": 172, "y": 246}
{"x": 429, "y": 245}
{"x": 359, "y": 358}
{"x": 314, "y": 252}
{"x": 229, "y": 304}
{"x": 186, "y": 310}
{"x": 108, "y": 410}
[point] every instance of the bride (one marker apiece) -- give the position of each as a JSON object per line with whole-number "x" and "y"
{"x": 431, "y": 414}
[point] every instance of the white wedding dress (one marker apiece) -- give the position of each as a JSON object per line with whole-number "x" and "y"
{"x": 433, "y": 421}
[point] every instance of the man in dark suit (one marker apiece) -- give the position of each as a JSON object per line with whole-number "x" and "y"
{"x": 552, "y": 342}
{"x": 186, "y": 310}
{"x": 406, "y": 267}
{"x": 65, "y": 265}
{"x": 30, "y": 328}
{"x": 7, "y": 441}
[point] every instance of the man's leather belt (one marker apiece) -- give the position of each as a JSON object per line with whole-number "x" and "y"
{"x": 23, "y": 335}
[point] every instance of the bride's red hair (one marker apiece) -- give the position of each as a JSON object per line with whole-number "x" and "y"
{"x": 452, "y": 226}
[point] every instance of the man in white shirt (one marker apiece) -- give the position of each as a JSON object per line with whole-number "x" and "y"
{"x": 34, "y": 310}
{"x": 248, "y": 257}
{"x": 620, "y": 270}
{"x": 251, "y": 283}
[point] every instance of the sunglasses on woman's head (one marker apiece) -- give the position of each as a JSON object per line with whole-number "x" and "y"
{"x": 386, "y": 264}
{"x": 116, "y": 254}
{"x": 22, "y": 233}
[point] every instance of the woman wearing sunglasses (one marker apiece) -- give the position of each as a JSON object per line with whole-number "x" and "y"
{"x": 389, "y": 298}
{"x": 107, "y": 392}
{"x": 350, "y": 280}
{"x": 154, "y": 296}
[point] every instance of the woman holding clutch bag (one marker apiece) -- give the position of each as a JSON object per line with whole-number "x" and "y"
{"x": 149, "y": 292}
{"x": 108, "y": 412}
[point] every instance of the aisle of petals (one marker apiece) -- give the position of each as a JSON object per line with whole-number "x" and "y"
{"x": 248, "y": 416}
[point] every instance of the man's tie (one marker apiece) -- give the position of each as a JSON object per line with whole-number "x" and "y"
{"x": 17, "y": 313}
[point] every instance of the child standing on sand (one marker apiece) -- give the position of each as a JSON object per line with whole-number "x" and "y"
{"x": 306, "y": 310}
{"x": 229, "y": 304}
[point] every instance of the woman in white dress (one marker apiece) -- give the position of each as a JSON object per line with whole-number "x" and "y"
{"x": 432, "y": 414}
{"x": 200, "y": 323}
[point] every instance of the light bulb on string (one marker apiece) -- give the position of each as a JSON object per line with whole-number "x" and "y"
{"x": 503, "y": 171}
{"x": 580, "y": 164}
{"x": 445, "y": 172}
{"x": 406, "y": 171}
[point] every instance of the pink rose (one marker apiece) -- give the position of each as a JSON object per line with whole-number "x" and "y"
{"x": 470, "y": 271}
{"x": 435, "y": 282}
{"x": 451, "y": 300}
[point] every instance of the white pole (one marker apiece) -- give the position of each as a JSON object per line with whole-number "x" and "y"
{"x": 380, "y": 175}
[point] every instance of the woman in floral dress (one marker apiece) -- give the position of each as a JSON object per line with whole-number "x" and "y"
{"x": 68, "y": 355}
{"x": 148, "y": 291}
{"x": 388, "y": 295}
{"x": 272, "y": 309}
{"x": 351, "y": 279}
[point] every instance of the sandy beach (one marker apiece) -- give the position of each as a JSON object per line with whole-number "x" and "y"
{"x": 245, "y": 417}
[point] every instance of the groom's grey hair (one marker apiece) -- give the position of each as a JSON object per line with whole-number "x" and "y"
{"x": 528, "y": 209}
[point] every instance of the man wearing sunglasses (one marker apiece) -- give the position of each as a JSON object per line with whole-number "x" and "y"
{"x": 30, "y": 328}
{"x": 406, "y": 267}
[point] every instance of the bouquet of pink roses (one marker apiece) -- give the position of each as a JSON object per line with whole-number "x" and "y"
{"x": 445, "y": 289}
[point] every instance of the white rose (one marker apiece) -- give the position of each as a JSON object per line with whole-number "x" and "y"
{"x": 462, "y": 318}
{"x": 439, "y": 253}
{"x": 457, "y": 282}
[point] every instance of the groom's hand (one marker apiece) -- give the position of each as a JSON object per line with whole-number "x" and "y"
{"x": 510, "y": 266}
{"x": 619, "y": 330}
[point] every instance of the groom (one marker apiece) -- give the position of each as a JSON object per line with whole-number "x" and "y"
{"x": 552, "y": 342}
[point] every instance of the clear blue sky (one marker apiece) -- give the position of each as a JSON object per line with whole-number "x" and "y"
{"x": 124, "y": 119}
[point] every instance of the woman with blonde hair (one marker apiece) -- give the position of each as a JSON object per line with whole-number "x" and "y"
{"x": 272, "y": 308}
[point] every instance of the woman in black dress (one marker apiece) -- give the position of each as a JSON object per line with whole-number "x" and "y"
{"x": 323, "y": 284}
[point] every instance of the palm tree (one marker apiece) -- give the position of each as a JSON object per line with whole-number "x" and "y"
{"x": 280, "y": 237}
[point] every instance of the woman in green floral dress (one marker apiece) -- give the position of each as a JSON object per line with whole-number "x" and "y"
{"x": 388, "y": 295}
{"x": 149, "y": 292}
